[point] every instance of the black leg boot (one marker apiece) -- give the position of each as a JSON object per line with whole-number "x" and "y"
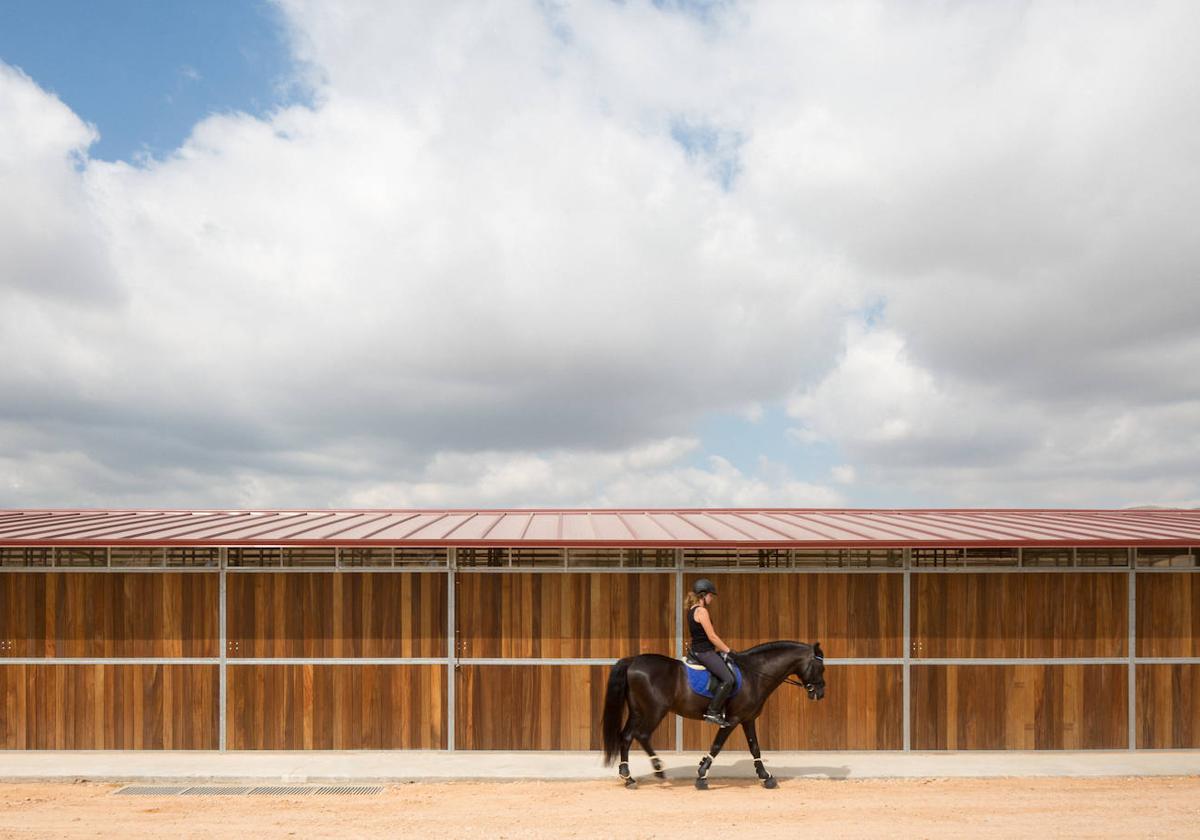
{"x": 716, "y": 709}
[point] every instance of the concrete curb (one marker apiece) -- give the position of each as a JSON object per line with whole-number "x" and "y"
{"x": 429, "y": 766}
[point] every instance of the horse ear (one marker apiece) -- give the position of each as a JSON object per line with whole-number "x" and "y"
{"x": 817, "y": 652}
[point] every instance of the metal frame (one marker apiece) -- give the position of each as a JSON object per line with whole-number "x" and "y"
{"x": 452, "y": 660}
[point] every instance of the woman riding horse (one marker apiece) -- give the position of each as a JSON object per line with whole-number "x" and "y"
{"x": 707, "y": 648}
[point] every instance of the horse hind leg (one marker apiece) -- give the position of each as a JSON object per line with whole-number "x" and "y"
{"x": 643, "y": 736}
{"x": 626, "y": 739}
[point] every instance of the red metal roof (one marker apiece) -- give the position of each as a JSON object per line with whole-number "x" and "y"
{"x": 708, "y": 527}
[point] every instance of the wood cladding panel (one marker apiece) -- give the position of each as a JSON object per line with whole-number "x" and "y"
{"x": 1168, "y": 706}
{"x": 336, "y": 614}
{"x": 1019, "y": 615}
{"x": 1168, "y": 614}
{"x": 336, "y": 707}
{"x": 564, "y": 614}
{"x": 109, "y": 614}
{"x": 851, "y": 615}
{"x": 109, "y": 707}
{"x": 1019, "y": 707}
{"x": 863, "y": 709}
{"x": 537, "y": 707}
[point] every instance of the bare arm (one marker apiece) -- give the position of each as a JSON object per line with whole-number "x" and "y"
{"x": 704, "y": 621}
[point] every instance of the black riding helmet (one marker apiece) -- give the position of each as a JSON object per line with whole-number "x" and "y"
{"x": 704, "y": 585}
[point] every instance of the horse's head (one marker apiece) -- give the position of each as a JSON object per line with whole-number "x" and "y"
{"x": 812, "y": 672}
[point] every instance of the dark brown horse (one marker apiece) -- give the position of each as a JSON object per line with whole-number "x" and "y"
{"x": 651, "y": 685}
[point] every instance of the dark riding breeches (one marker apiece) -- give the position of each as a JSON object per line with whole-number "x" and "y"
{"x": 712, "y": 660}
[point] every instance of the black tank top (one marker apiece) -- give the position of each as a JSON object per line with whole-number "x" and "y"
{"x": 699, "y": 641}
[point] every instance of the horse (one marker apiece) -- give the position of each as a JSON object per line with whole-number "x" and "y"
{"x": 651, "y": 685}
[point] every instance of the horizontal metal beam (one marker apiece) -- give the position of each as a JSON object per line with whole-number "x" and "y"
{"x": 564, "y": 660}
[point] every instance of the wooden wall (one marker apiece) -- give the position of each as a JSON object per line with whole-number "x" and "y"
{"x": 1019, "y": 707}
{"x": 538, "y": 615}
{"x": 564, "y": 614}
{"x": 1006, "y": 615}
{"x": 1168, "y": 706}
{"x": 1168, "y": 614}
{"x": 537, "y": 707}
{"x": 132, "y": 614}
{"x": 851, "y": 615}
{"x": 343, "y": 614}
{"x": 863, "y": 709}
{"x": 108, "y": 707}
{"x": 336, "y": 707}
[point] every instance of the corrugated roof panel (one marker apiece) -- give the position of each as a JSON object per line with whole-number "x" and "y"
{"x": 544, "y": 526}
{"x": 477, "y": 527}
{"x": 645, "y": 526}
{"x": 610, "y": 527}
{"x": 578, "y": 526}
{"x": 681, "y": 528}
{"x": 441, "y": 527}
{"x": 511, "y": 526}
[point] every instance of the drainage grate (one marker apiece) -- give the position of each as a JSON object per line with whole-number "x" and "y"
{"x": 349, "y": 790}
{"x": 203, "y": 790}
{"x": 281, "y": 791}
{"x": 261, "y": 790}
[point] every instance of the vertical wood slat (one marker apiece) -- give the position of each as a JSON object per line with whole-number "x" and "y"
{"x": 107, "y": 615}
{"x": 1019, "y": 707}
{"x": 336, "y": 614}
{"x": 862, "y": 710}
{"x": 1168, "y": 614}
{"x": 1020, "y": 615}
{"x": 537, "y": 707}
{"x": 851, "y": 615}
{"x": 108, "y": 707}
{"x": 336, "y": 707}
{"x": 565, "y": 614}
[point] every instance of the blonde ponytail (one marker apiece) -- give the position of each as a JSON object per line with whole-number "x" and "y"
{"x": 691, "y": 600}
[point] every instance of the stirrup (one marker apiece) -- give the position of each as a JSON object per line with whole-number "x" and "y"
{"x": 718, "y": 718}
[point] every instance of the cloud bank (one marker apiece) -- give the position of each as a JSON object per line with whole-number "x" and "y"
{"x": 515, "y": 255}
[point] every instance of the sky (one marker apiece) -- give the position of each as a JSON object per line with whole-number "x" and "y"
{"x": 659, "y": 254}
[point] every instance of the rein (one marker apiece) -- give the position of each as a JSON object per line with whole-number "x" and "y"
{"x": 789, "y": 679}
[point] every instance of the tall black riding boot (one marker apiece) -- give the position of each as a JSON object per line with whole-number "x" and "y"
{"x": 716, "y": 709}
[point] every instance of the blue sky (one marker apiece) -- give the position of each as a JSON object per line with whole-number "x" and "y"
{"x": 655, "y": 252}
{"x": 144, "y": 72}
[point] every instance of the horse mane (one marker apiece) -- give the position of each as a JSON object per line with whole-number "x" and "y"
{"x": 766, "y": 647}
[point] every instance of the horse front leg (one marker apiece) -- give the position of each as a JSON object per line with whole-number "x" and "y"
{"x": 706, "y": 762}
{"x": 768, "y": 780}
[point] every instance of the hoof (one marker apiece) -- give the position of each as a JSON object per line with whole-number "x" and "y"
{"x": 658, "y": 774}
{"x": 770, "y": 783}
{"x": 631, "y": 782}
{"x": 702, "y": 784}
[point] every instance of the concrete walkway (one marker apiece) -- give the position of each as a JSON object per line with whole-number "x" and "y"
{"x": 426, "y": 766}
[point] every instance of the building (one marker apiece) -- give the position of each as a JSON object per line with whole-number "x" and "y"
{"x": 494, "y": 629}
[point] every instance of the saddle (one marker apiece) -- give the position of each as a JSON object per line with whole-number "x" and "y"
{"x": 702, "y": 681}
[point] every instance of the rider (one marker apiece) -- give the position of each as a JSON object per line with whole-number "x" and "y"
{"x": 708, "y": 649}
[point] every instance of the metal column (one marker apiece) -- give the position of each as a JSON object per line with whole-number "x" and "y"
{"x": 224, "y": 644}
{"x": 678, "y": 635}
{"x": 1132, "y": 668}
{"x": 451, "y": 644}
{"x": 906, "y": 668}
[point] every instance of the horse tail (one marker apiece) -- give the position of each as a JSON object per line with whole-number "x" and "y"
{"x": 614, "y": 708}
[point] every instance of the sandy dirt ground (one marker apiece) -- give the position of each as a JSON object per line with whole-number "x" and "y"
{"x": 976, "y": 808}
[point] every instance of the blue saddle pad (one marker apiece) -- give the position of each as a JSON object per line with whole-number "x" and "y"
{"x": 703, "y": 683}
